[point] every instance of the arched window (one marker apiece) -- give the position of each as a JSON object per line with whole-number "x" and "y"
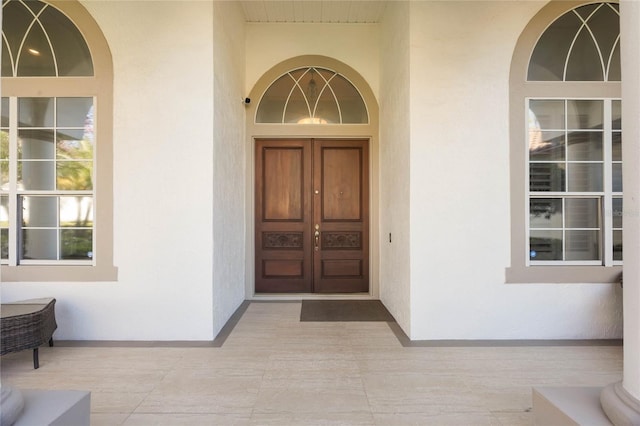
{"x": 52, "y": 130}
{"x": 581, "y": 45}
{"x": 570, "y": 213}
{"x": 312, "y": 95}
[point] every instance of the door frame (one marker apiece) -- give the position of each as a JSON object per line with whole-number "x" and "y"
{"x": 325, "y": 131}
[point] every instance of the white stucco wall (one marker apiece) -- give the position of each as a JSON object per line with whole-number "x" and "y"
{"x": 395, "y": 290}
{"x": 460, "y": 62}
{"x": 444, "y": 165}
{"x": 163, "y": 89}
{"x": 268, "y": 44}
{"x": 228, "y": 162}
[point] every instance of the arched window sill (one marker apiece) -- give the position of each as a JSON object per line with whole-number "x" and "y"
{"x": 36, "y": 273}
{"x": 563, "y": 274}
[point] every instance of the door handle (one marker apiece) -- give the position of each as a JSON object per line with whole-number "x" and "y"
{"x": 317, "y": 239}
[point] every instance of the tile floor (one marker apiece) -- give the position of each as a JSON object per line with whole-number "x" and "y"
{"x": 275, "y": 370}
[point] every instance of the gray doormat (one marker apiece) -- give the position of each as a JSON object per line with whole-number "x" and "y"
{"x": 344, "y": 310}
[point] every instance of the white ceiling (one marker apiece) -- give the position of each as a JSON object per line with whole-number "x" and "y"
{"x": 324, "y": 11}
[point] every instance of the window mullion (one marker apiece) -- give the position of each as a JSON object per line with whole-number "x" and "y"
{"x": 13, "y": 181}
{"x": 607, "y": 207}
{"x": 527, "y": 188}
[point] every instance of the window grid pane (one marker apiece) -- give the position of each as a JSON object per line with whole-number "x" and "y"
{"x": 54, "y": 180}
{"x": 567, "y": 165}
{"x": 56, "y": 228}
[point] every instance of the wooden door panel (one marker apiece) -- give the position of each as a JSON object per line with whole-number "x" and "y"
{"x": 274, "y": 268}
{"x": 342, "y": 172}
{"x": 283, "y": 183}
{"x": 283, "y": 218}
{"x": 342, "y": 268}
{"x": 341, "y": 262}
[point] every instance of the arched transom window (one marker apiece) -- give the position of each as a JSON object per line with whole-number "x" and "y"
{"x": 581, "y": 45}
{"x": 312, "y": 95}
{"x": 38, "y": 40}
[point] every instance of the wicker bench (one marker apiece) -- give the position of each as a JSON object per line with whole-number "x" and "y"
{"x": 27, "y": 324}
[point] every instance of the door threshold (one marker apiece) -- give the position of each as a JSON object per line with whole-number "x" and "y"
{"x": 292, "y": 297}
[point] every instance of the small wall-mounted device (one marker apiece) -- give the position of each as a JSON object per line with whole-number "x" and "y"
{"x": 247, "y": 101}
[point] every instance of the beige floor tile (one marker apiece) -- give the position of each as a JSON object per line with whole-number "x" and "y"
{"x": 363, "y": 418}
{"x": 108, "y": 419}
{"x": 514, "y": 418}
{"x": 436, "y": 419}
{"x": 172, "y": 419}
{"x": 320, "y": 395}
{"x": 200, "y": 391}
{"x": 274, "y": 369}
{"x": 116, "y": 402}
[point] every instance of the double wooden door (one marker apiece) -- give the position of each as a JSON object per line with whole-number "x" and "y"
{"x": 312, "y": 216}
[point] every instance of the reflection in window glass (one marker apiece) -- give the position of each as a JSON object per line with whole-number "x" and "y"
{"x": 617, "y": 220}
{"x": 616, "y": 177}
{"x": 546, "y": 146}
{"x": 35, "y": 112}
{"x": 617, "y": 213}
{"x": 36, "y": 175}
{"x": 585, "y": 146}
{"x": 76, "y": 244}
{"x": 585, "y": 114}
{"x": 584, "y": 177}
{"x": 547, "y": 177}
{"x": 4, "y": 160}
{"x": 76, "y": 212}
{"x": 545, "y": 213}
{"x": 36, "y": 144}
{"x": 73, "y": 112}
{"x": 546, "y": 114}
{"x": 617, "y": 245}
{"x": 4, "y": 110}
{"x": 616, "y": 115}
{"x": 74, "y": 175}
{"x": 39, "y": 244}
{"x": 545, "y": 245}
{"x": 582, "y": 213}
{"x": 4, "y": 227}
{"x": 39, "y": 212}
{"x": 582, "y": 245}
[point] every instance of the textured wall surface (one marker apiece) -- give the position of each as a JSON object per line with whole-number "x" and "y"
{"x": 460, "y": 188}
{"x": 229, "y": 153}
{"x": 163, "y": 89}
{"x": 269, "y": 44}
{"x": 395, "y": 93}
{"x": 440, "y": 71}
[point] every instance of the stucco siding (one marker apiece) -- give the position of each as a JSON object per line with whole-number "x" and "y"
{"x": 460, "y": 62}
{"x": 228, "y": 162}
{"x": 395, "y": 95}
{"x": 162, "y": 146}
